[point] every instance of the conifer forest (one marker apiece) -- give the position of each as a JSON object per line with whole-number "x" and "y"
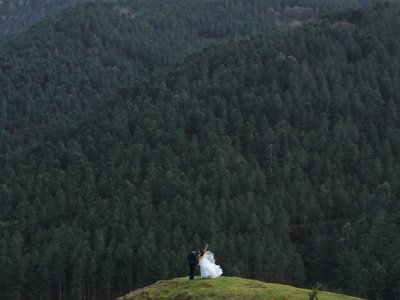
{"x": 132, "y": 131}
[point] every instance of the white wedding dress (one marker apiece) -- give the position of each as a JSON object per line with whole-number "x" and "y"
{"x": 208, "y": 268}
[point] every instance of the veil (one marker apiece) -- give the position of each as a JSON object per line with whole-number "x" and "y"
{"x": 209, "y": 256}
{"x": 208, "y": 268}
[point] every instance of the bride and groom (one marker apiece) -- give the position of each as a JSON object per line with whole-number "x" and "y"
{"x": 205, "y": 259}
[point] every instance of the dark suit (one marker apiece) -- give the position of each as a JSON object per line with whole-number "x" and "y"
{"x": 192, "y": 264}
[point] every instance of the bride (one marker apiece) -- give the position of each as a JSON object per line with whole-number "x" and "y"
{"x": 208, "y": 268}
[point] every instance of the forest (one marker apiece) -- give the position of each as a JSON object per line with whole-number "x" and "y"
{"x": 17, "y": 16}
{"x": 280, "y": 150}
{"x": 60, "y": 68}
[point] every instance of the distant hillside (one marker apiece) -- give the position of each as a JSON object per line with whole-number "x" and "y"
{"x": 66, "y": 64}
{"x": 17, "y": 15}
{"x": 232, "y": 288}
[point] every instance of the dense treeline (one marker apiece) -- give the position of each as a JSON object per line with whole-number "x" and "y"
{"x": 282, "y": 152}
{"x": 17, "y": 16}
{"x": 65, "y": 65}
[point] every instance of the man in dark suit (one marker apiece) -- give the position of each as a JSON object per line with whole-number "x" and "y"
{"x": 192, "y": 263}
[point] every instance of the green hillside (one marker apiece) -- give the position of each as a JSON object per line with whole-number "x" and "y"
{"x": 281, "y": 151}
{"x": 65, "y": 65}
{"x": 17, "y": 16}
{"x": 225, "y": 288}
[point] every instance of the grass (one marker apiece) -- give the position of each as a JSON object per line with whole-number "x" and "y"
{"x": 225, "y": 288}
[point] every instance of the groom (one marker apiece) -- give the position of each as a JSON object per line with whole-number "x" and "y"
{"x": 192, "y": 263}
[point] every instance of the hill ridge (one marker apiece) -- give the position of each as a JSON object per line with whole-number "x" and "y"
{"x": 225, "y": 287}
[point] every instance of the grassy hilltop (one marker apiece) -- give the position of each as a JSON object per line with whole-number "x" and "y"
{"x": 225, "y": 288}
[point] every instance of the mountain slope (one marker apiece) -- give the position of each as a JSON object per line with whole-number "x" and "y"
{"x": 225, "y": 288}
{"x": 17, "y": 16}
{"x": 281, "y": 151}
{"x": 63, "y": 66}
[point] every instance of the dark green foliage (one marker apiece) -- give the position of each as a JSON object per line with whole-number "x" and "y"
{"x": 67, "y": 64}
{"x": 281, "y": 151}
{"x": 17, "y": 16}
